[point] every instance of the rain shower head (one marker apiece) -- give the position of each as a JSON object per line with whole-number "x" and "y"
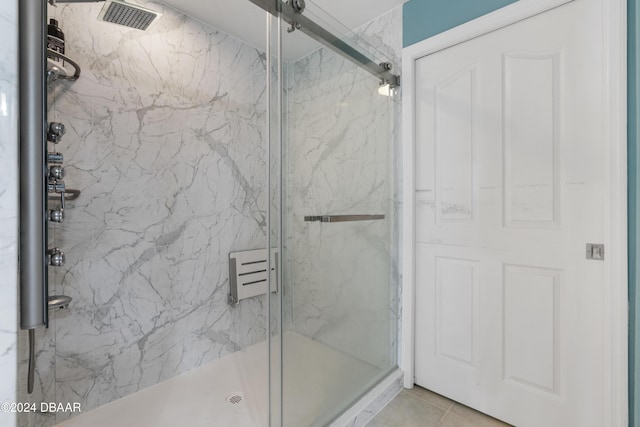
{"x": 127, "y": 14}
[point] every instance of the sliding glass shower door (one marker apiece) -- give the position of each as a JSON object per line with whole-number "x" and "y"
{"x": 336, "y": 225}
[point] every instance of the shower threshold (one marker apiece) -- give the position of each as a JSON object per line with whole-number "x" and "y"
{"x": 232, "y": 391}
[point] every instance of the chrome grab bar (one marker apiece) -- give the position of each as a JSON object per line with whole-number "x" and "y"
{"x": 342, "y": 218}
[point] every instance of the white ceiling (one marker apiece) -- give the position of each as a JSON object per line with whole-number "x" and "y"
{"x": 246, "y": 21}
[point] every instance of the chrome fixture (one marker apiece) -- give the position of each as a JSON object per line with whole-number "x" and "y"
{"x": 55, "y": 158}
{"x": 56, "y": 72}
{"x": 298, "y": 5}
{"x": 32, "y": 360}
{"x": 53, "y": 2}
{"x": 56, "y": 172}
{"x": 56, "y": 215}
{"x": 294, "y": 27}
{"x": 291, "y": 11}
{"x": 53, "y": 73}
{"x": 342, "y": 218}
{"x": 56, "y": 132}
{"x": 71, "y": 194}
{"x": 58, "y": 302}
{"x": 55, "y": 257}
{"x": 56, "y": 187}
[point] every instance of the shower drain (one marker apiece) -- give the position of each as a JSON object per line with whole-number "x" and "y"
{"x": 234, "y": 398}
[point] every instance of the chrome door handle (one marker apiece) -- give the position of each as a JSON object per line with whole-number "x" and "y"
{"x": 342, "y": 218}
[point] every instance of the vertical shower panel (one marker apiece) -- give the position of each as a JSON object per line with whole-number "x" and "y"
{"x": 33, "y": 190}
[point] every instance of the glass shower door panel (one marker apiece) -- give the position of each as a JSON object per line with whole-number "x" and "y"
{"x": 342, "y": 269}
{"x": 338, "y": 275}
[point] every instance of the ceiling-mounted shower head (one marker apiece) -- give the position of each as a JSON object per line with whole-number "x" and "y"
{"x": 127, "y": 14}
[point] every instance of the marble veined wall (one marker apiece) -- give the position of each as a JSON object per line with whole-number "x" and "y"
{"x": 166, "y": 142}
{"x": 342, "y": 136}
{"x": 8, "y": 206}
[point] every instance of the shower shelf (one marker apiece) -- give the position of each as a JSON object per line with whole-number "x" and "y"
{"x": 69, "y": 71}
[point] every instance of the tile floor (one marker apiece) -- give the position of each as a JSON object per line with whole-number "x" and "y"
{"x": 423, "y": 408}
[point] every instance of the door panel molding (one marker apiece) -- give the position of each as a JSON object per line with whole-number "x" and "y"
{"x": 615, "y": 169}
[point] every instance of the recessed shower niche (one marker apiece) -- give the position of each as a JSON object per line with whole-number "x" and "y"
{"x": 185, "y": 145}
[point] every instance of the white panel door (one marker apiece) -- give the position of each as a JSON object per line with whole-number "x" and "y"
{"x": 509, "y": 190}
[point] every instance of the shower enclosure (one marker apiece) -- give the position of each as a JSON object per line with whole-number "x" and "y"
{"x": 188, "y": 148}
{"x": 333, "y": 169}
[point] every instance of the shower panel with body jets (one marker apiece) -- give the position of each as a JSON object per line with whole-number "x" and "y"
{"x": 42, "y": 171}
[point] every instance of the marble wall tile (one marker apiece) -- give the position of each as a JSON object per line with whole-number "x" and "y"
{"x": 341, "y": 148}
{"x": 166, "y": 142}
{"x": 8, "y": 206}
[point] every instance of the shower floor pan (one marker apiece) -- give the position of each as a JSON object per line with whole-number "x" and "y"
{"x": 232, "y": 391}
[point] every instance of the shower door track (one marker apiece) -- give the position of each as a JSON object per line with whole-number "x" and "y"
{"x": 292, "y": 14}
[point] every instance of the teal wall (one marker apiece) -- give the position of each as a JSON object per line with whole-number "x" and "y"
{"x": 425, "y": 18}
{"x": 634, "y": 238}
